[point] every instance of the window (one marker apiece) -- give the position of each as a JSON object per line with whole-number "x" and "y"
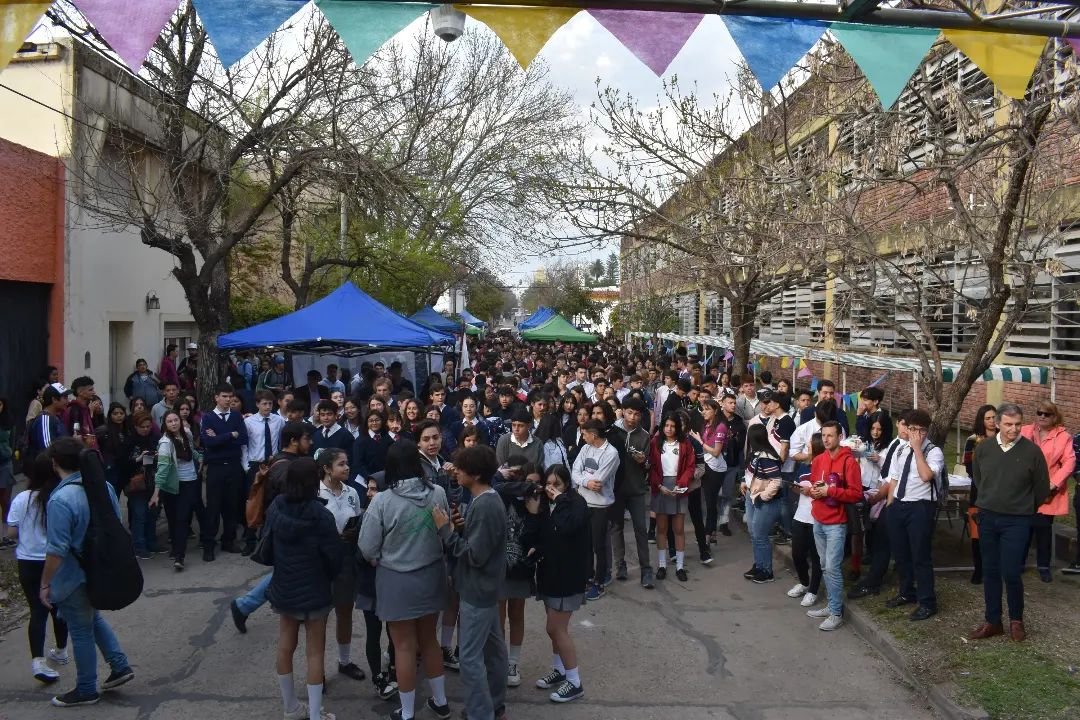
{"x": 1051, "y": 328}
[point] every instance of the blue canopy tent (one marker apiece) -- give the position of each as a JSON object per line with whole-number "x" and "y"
{"x": 429, "y": 317}
{"x": 538, "y": 318}
{"x": 471, "y": 319}
{"x": 348, "y": 321}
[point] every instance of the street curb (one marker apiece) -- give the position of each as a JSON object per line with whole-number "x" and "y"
{"x": 940, "y": 696}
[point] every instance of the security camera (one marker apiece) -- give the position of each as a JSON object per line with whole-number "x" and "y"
{"x": 447, "y": 22}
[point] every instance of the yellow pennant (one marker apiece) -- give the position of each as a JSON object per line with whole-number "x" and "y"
{"x": 17, "y": 20}
{"x": 785, "y": 362}
{"x": 524, "y": 30}
{"x": 1007, "y": 59}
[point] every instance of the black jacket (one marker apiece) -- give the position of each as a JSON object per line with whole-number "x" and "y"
{"x": 572, "y": 441}
{"x": 368, "y": 456}
{"x": 307, "y": 555}
{"x": 341, "y": 439}
{"x": 564, "y": 542}
{"x": 522, "y": 529}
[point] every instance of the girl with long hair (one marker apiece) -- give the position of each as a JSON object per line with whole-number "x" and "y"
{"x": 762, "y": 491}
{"x": 26, "y": 522}
{"x": 671, "y": 460}
{"x": 985, "y": 427}
{"x": 137, "y": 476}
{"x": 177, "y": 486}
{"x": 112, "y": 438}
{"x": 713, "y": 438}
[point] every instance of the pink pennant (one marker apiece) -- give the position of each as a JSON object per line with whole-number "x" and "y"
{"x": 654, "y": 37}
{"x": 130, "y": 28}
{"x": 1075, "y": 42}
{"x": 806, "y": 372}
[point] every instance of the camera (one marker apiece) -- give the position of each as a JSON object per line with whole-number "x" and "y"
{"x": 447, "y": 22}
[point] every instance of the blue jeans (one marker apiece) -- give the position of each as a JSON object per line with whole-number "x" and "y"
{"x": 1003, "y": 541}
{"x": 142, "y": 521}
{"x": 830, "y": 547}
{"x": 89, "y": 632}
{"x": 763, "y": 517}
{"x": 483, "y": 659}
{"x": 255, "y": 597}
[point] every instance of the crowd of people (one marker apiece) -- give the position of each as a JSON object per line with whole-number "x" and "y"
{"x": 439, "y": 512}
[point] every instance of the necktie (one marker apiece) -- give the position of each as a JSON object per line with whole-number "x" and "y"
{"x": 326, "y": 432}
{"x": 267, "y": 439}
{"x": 901, "y": 489}
{"x": 377, "y": 438}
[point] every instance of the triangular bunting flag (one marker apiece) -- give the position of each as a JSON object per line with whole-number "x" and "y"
{"x": 365, "y": 27}
{"x": 17, "y": 20}
{"x": 524, "y": 30}
{"x": 772, "y": 46}
{"x": 888, "y": 56}
{"x": 806, "y": 372}
{"x": 236, "y": 27}
{"x": 1007, "y": 59}
{"x": 131, "y": 29}
{"x": 1075, "y": 43}
{"x": 654, "y": 37}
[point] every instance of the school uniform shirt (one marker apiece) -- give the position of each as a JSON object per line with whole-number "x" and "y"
{"x": 915, "y": 489}
{"x": 369, "y": 454}
{"x": 343, "y": 506}
{"x": 334, "y": 436}
{"x": 255, "y": 450}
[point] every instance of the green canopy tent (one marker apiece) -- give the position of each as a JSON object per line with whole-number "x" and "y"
{"x": 557, "y": 328}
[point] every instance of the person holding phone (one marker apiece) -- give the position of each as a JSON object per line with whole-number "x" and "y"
{"x": 177, "y": 485}
{"x": 594, "y": 478}
{"x": 671, "y": 468}
{"x": 343, "y": 502}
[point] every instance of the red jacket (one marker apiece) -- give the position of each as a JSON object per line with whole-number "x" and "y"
{"x": 656, "y": 467}
{"x": 847, "y": 490}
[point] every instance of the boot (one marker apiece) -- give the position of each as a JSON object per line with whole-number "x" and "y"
{"x": 976, "y": 560}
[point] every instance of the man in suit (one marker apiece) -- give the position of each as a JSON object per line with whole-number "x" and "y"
{"x": 224, "y": 437}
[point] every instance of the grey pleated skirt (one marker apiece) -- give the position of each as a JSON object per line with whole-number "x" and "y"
{"x": 410, "y": 595}
{"x": 669, "y": 504}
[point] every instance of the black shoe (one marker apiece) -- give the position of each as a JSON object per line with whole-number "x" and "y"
{"x": 1045, "y": 576}
{"x": 661, "y": 573}
{"x": 725, "y": 530}
{"x": 178, "y": 565}
{"x": 118, "y": 678}
{"x": 922, "y": 613}
{"x": 75, "y": 698}
{"x": 385, "y": 687}
{"x": 441, "y": 711}
{"x": 706, "y": 557}
{"x": 351, "y": 670}
{"x": 651, "y": 537}
{"x": 567, "y": 692}
{"x": 620, "y": 572}
{"x": 248, "y": 549}
{"x": 861, "y": 591}
{"x": 899, "y": 601}
{"x": 208, "y": 554}
{"x": 976, "y": 578}
{"x": 239, "y": 618}
{"x": 681, "y": 575}
{"x": 749, "y": 574}
{"x": 552, "y": 680}
{"x": 761, "y": 577}
{"x": 450, "y": 659}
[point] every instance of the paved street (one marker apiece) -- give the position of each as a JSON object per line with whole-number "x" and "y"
{"x": 716, "y": 647}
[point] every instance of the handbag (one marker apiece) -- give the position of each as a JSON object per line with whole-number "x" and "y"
{"x": 136, "y": 484}
{"x": 264, "y": 549}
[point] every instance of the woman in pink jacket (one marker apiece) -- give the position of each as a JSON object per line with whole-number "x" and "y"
{"x": 1049, "y": 434}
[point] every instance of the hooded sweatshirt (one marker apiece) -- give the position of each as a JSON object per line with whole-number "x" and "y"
{"x": 596, "y": 463}
{"x": 398, "y": 531}
{"x": 843, "y": 477}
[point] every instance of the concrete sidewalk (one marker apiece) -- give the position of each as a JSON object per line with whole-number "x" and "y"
{"x": 715, "y": 647}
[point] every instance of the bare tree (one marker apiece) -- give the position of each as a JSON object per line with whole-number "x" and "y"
{"x": 947, "y": 212}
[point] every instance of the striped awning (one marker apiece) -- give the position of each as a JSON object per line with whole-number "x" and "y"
{"x": 1008, "y": 373}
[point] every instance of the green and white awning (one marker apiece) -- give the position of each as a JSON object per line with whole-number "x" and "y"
{"x": 1007, "y": 373}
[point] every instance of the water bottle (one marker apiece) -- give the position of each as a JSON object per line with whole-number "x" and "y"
{"x": 77, "y": 430}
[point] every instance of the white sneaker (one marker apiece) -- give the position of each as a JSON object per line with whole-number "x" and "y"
{"x": 513, "y": 677}
{"x": 821, "y": 612}
{"x": 43, "y": 673}
{"x": 300, "y": 712}
{"x": 60, "y": 657}
{"x": 808, "y": 599}
{"x": 798, "y": 591}
{"x": 831, "y": 623}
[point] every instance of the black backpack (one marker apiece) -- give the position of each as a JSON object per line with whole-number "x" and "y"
{"x": 113, "y": 577}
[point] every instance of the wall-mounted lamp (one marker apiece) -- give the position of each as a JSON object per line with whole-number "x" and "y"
{"x": 152, "y": 302}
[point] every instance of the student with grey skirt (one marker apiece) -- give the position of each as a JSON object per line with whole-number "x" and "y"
{"x": 398, "y": 536}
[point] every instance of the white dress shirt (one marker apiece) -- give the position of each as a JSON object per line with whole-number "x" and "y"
{"x": 255, "y": 450}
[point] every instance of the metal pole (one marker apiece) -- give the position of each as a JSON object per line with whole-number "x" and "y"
{"x": 827, "y": 12}
{"x": 915, "y": 389}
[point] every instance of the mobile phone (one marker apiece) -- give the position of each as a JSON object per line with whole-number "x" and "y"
{"x": 682, "y": 490}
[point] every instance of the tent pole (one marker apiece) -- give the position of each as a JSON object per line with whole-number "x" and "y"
{"x": 1053, "y": 384}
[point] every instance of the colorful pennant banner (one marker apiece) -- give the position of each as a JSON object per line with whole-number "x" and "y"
{"x": 17, "y": 20}
{"x": 888, "y": 56}
{"x": 806, "y": 372}
{"x": 130, "y": 30}
{"x": 772, "y": 46}
{"x": 365, "y": 26}
{"x": 1008, "y": 60}
{"x": 236, "y": 27}
{"x": 655, "y": 38}
{"x": 524, "y": 30}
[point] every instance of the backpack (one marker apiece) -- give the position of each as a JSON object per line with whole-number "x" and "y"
{"x": 254, "y": 506}
{"x": 113, "y": 577}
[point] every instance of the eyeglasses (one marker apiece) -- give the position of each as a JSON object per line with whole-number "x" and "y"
{"x": 1044, "y": 413}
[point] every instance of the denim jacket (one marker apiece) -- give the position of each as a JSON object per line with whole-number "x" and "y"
{"x": 68, "y": 515}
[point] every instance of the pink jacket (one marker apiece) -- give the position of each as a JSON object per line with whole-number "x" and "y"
{"x": 1058, "y": 450}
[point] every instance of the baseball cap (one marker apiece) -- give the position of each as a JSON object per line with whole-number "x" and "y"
{"x": 279, "y": 358}
{"x": 60, "y": 388}
{"x": 192, "y": 346}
